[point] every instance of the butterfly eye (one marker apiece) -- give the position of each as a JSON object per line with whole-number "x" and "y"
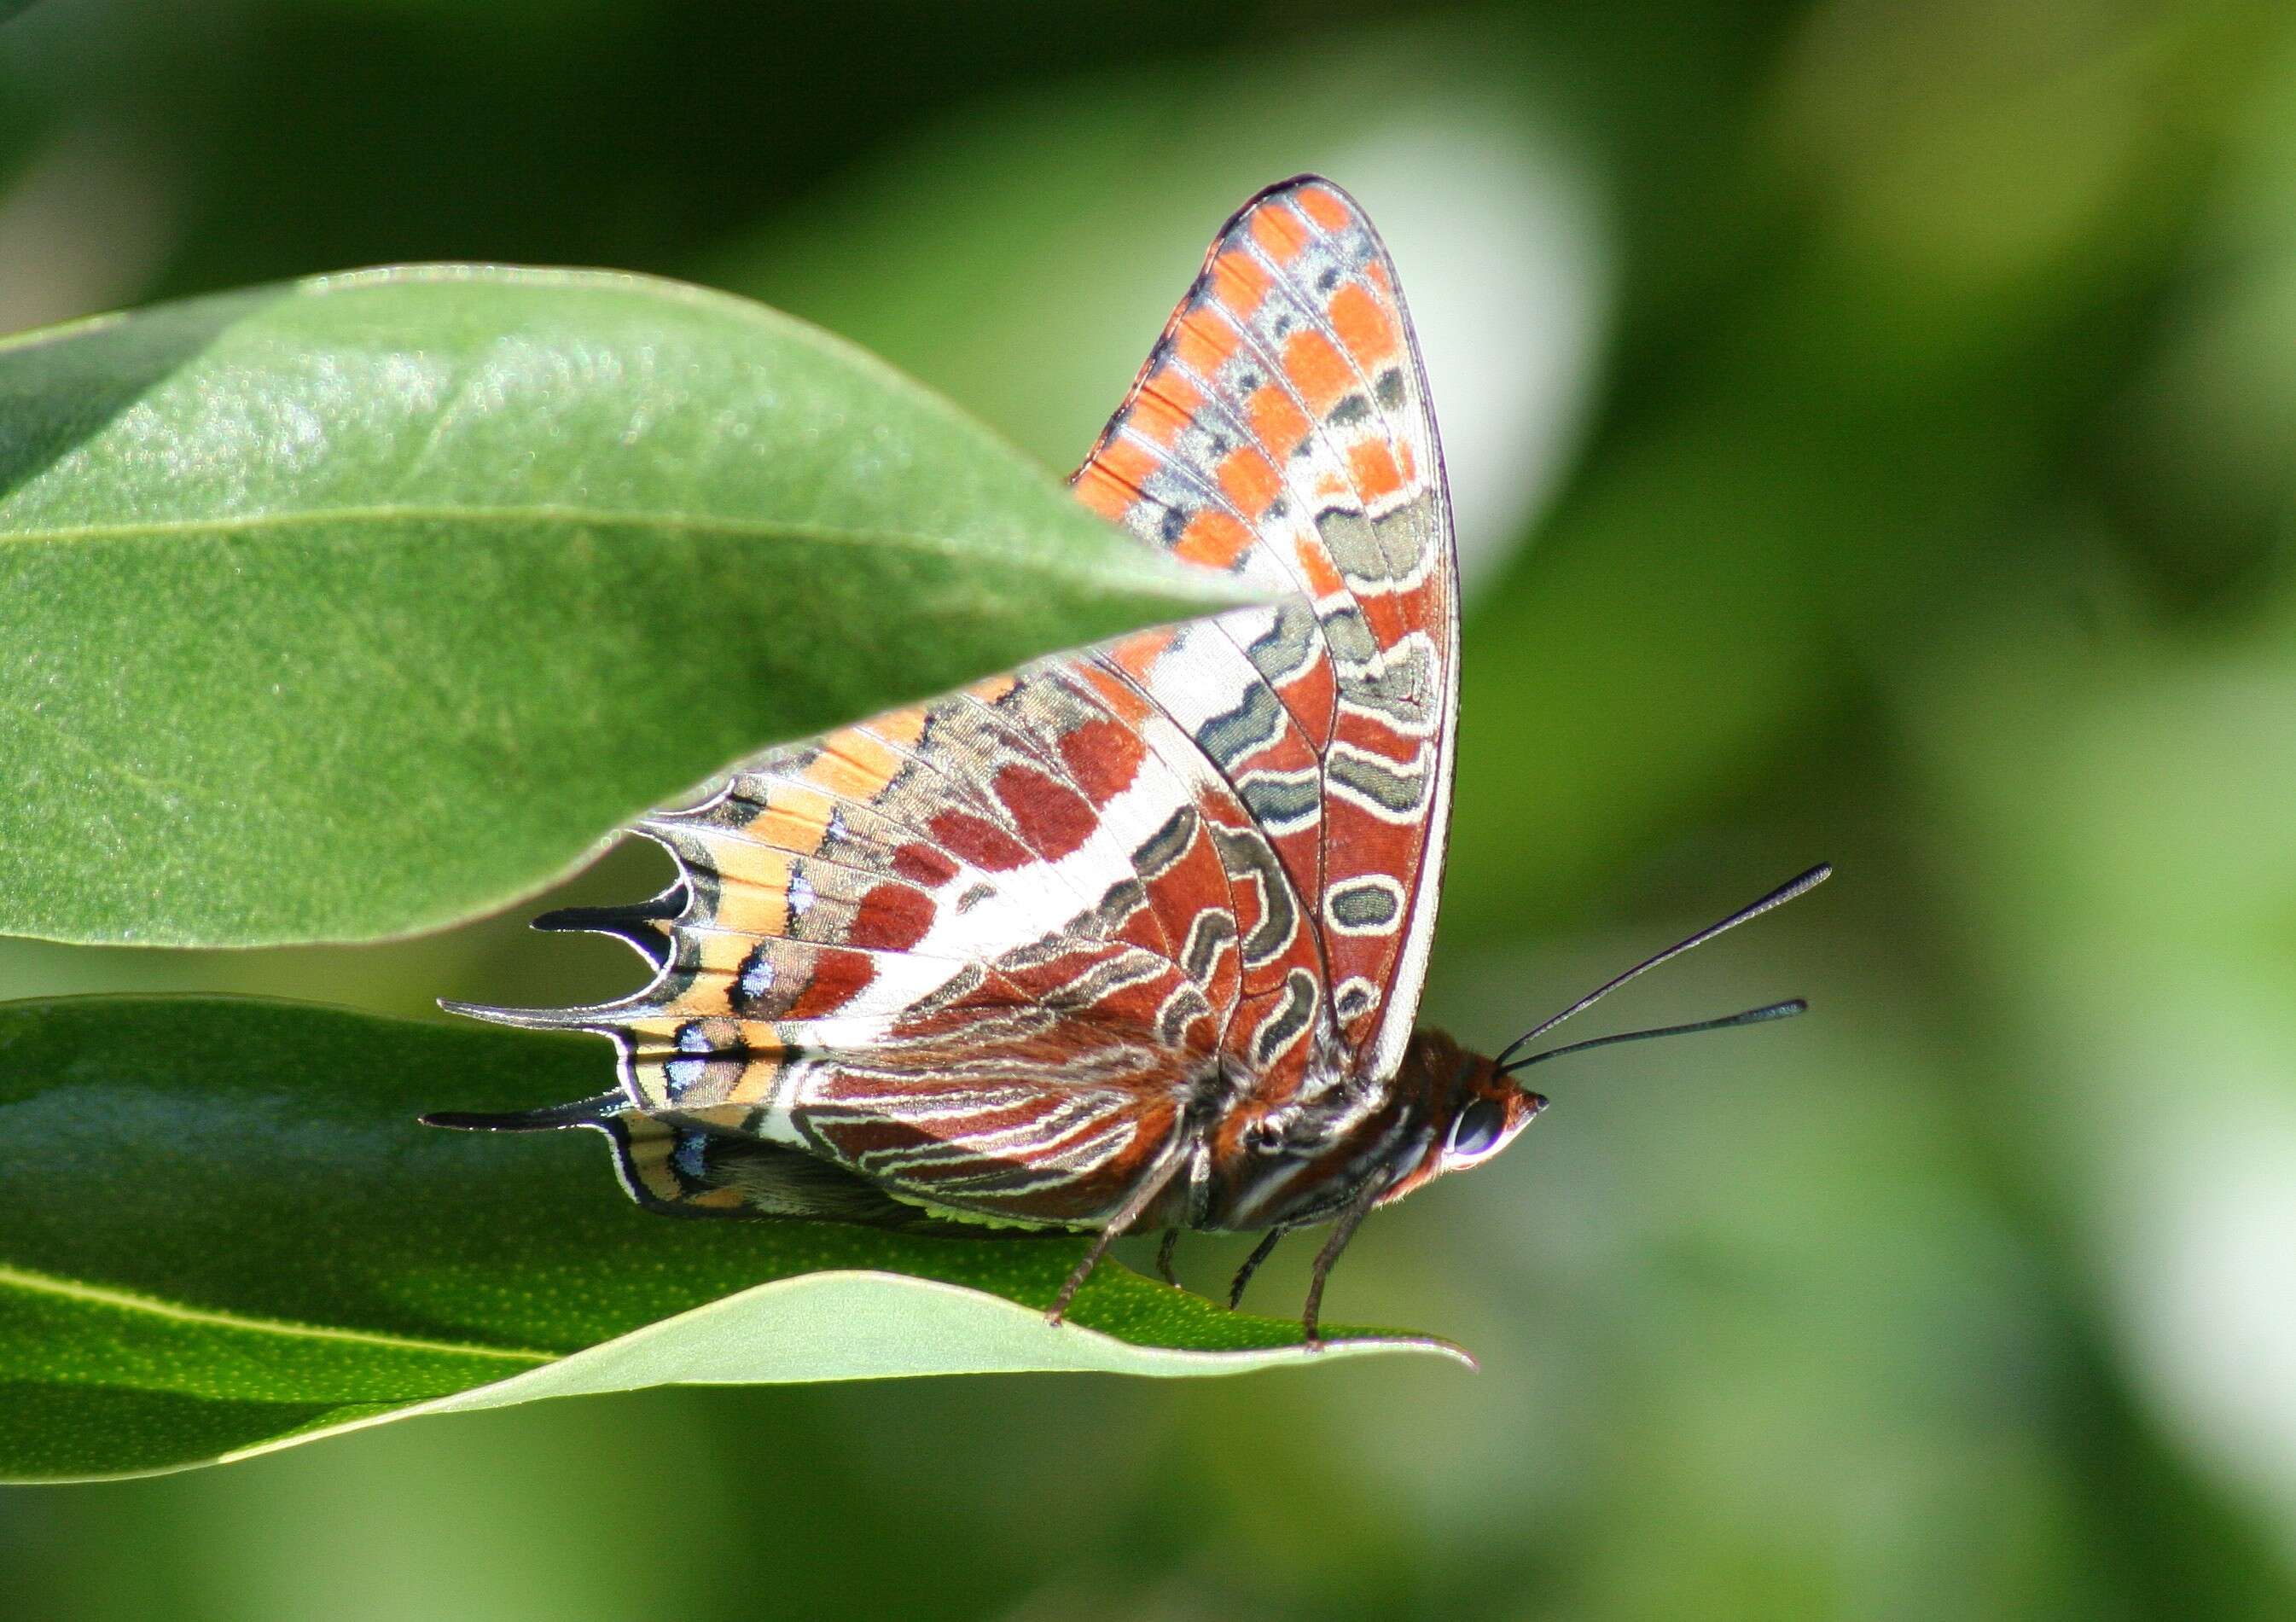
{"x": 1476, "y": 1132}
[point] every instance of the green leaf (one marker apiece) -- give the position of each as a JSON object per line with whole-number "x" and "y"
{"x": 360, "y": 606}
{"x": 222, "y": 1230}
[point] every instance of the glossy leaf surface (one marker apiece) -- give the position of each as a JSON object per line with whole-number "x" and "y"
{"x": 358, "y": 606}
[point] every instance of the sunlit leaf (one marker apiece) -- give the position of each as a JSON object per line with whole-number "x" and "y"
{"x": 354, "y": 607}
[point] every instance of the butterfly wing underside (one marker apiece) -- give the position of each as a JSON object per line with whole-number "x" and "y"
{"x": 973, "y": 960}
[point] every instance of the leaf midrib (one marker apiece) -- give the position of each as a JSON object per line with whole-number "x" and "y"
{"x": 567, "y": 514}
{"x": 40, "y": 1283}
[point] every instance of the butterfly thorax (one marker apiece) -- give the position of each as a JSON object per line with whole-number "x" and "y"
{"x": 1288, "y": 1155}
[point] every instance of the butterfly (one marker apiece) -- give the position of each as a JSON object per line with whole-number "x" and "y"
{"x": 1131, "y": 938}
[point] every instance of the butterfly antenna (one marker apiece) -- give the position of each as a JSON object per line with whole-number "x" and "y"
{"x": 1752, "y": 1016}
{"x": 1779, "y": 897}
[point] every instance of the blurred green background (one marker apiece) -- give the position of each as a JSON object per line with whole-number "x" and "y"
{"x": 1871, "y": 433}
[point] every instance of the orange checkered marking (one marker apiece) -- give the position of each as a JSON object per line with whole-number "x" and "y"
{"x": 1319, "y": 573}
{"x": 1203, "y": 340}
{"x": 1247, "y": 479}
{"x": 1214, "y": 539}
{"x": 1365, "y": 326}
{"x": 1165, "y": 407}
{"x": 1240, "y": 281}
{"x": 1371, "y": 466}
{"x": 794, "y": 819}
{"x": 1136, "y": 656}
{"x": 1277, "y": 233}
{"x": 1322, "y": 207}
{"x": 855, "y": 765}
{"x": 1278, "y": 422}
{"x": 1110, "y": 481}
{"x": 1319, "y": 371}
{"x": 756, "y": 900}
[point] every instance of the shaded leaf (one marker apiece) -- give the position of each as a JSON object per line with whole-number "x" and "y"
{"x": 223, "y": 1230}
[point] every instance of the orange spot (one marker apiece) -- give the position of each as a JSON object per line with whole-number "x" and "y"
{"x": 840, "y": 775}
{"x": 1375, "y": 470}
{"x": 1213, "y": 538}
{"x": 1134, "y": 655}
{"x": 1278, "y": 422}
{"x": 862, "y": 760}
{"x": 1319, "y": 371}
{"x": 1203, "y": 341}
{"x": 1155, "y": 416}
{"x": 903, "y": 727}
{"x": 1175, "y": 389}
{"x": 1322, "y": 207}
{"x": 792, "y": 819}
{"x": 995, "y": 689}
{"x": 1364, "y": 324}
{"x": 1248, "y": 480}
{"x": 1278, "y": 230}
{"x": 758, "y": 902}
{"x": 1239, "y": 281}
{"x": 755, "y": 1083}
{"x": 1103, "y": 491}
{"x": 1322, "y": 576}
{"x": 1126, "y": 462}
{"x": 652, "y": 1163}
{"x": 722, "y": 954}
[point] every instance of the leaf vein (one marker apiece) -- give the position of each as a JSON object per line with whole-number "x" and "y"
{"x": 38, "y": 1283}
{"x": 1152, "y": 571}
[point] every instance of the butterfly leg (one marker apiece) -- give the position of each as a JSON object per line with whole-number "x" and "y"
{"x": 1131, "y": 1212}
{"x": 1164, "y": 1256}
{"x": 1342, "y": 1231}
{"x": 1250, "y": 1265}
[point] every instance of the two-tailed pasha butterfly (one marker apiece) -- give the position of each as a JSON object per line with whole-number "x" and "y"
{"x": 1134, "y": 937}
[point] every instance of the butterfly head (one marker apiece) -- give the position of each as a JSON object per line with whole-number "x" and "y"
{"x": 1474, "y": 1109}
{"x": 1487, "y": 1106}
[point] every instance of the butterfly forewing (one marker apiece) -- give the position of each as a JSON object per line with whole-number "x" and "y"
{"x": 993, "y": 957}
{"x": 1282, "y": 428}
